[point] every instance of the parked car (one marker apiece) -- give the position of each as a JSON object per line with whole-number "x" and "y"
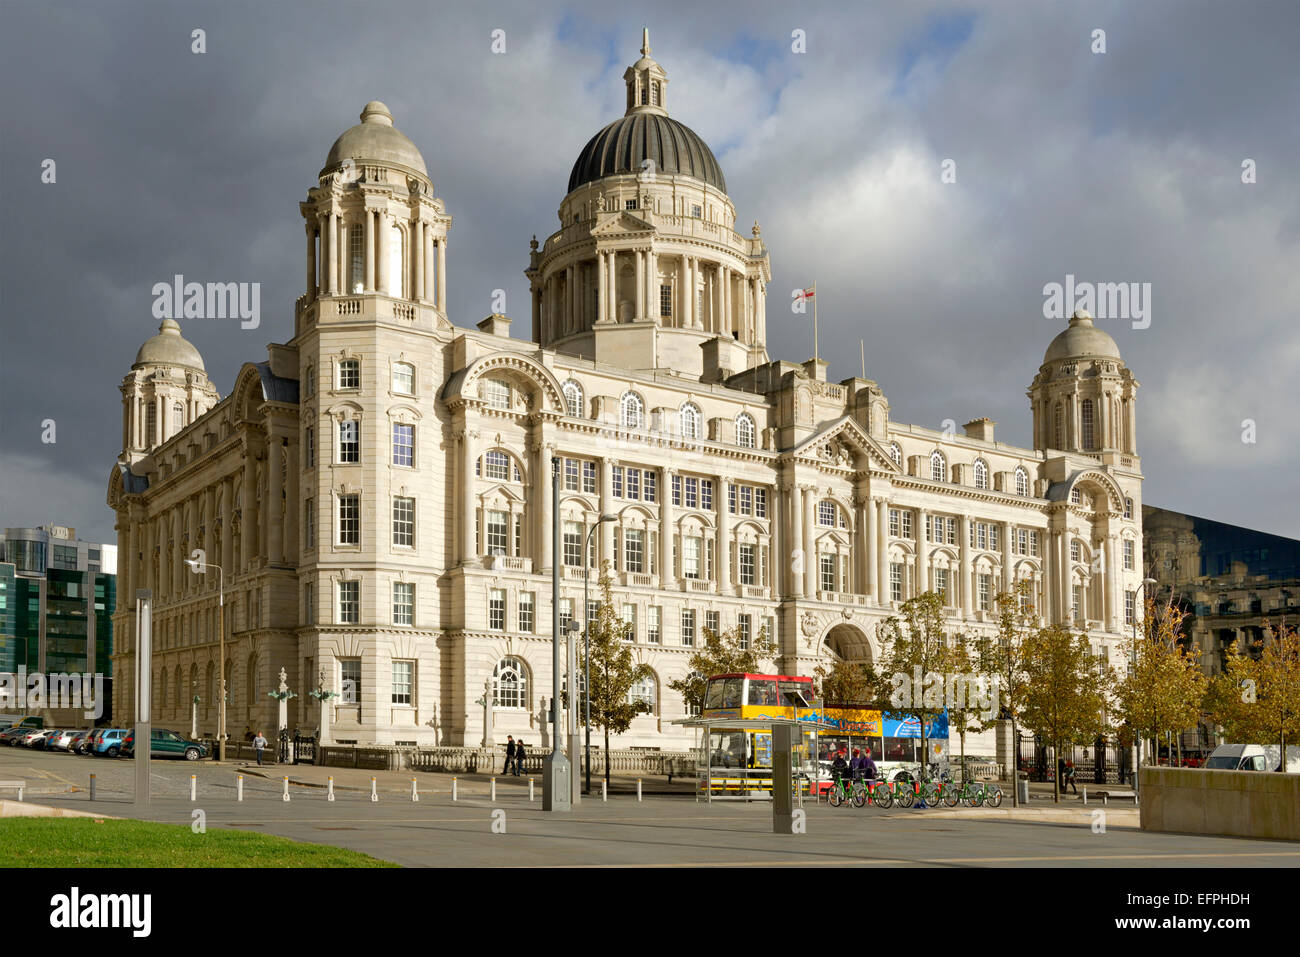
{"x": 36, "y": 738}
{"x": 168, "y": 744}
{"x": 14, "y": 735}
{"x": 79, "y": 742}
{"x": 108, "y": 741}
{"x": 60, "y": 740}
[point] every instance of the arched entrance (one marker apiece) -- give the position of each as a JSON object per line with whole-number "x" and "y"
{"x": 845, "y": 642}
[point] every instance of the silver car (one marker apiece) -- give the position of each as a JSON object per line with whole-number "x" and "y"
{"x": 61, "y": 741}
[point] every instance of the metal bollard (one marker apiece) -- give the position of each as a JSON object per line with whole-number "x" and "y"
{"x": 1085, "y": 795}
{"x": 194, "y": 787}
{"x": 92, "y": 787}
{"x": 415, "y": 791}
{"x": 604, "y": 790}
{"x": 453, "y": 788}
{"x": 239, "y": 788}
{"x": 286, "y": 787}
{"x": 638, "y": 789}
{"x": 329, "y": 796}
{"x": 374, "y": 793}
{"x": 494, "y": 789}
{"x": 530, "y": 790}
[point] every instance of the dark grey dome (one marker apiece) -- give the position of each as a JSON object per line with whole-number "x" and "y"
{"x": 621, "y": 147}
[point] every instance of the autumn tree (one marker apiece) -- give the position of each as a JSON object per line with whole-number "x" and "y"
{"x": 1000, "y": 658}
{"x": 1065, "y": 691}
{"x": 844, "y": 684}
{"x": 1257, "y": 696}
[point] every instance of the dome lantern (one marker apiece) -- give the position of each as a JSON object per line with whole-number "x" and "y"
{"x": 646, "y": 82}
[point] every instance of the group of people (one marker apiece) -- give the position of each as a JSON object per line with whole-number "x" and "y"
{"x": 515, "y": 754}
{"x": 860, "y": 766}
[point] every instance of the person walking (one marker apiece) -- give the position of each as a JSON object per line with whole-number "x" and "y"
{"x": 510, "y": 753}
{"x": 520, "y": 754}
{"x": 259, "y": 745}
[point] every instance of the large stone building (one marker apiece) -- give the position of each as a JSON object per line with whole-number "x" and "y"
{"x": 378, "y": 491}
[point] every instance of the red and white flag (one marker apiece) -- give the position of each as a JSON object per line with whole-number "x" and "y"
{"x": 809, "y": 293}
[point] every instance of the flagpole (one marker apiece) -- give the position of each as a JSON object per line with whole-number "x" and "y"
{"x": 816, "y": 346}
{"x": 862, "y": 348}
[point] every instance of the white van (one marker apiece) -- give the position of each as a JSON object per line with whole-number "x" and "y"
{"x": 1253, "y": 757}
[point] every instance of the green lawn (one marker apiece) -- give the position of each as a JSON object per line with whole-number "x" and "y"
{"x": 85, "y": 842}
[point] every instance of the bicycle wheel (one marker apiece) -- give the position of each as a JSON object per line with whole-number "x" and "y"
{"x": 881, "y": 796}
{"x": 950, "y": 795}
{"x": 859, "y": 795}
{"x": 836, "y": 796}
{"x": 904, "y": 795}
{"x": 993, "y": 796}
{"x": 972, "y": 797}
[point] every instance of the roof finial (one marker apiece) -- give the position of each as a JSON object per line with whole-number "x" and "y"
{"x": 645, "y": 41}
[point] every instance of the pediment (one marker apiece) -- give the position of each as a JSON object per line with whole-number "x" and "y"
{"x": 626, "y": 223}
{"x": 840, "y": 442}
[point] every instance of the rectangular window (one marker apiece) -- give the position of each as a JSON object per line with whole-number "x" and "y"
{"x": 349, "y": 527}
{"x": 648, "y": 481}
{"x": 985, "y": 591}
{"x": 895, "y": 523}
{"x": 634, "y": 550}
{"x": 496, "y": 465}
{"x": 309, "y": 522}
{"x": 350, "y": 673}
{"x": 760, "y": 503}
{"x": 731, "y": 498}
{"x": 1077, "y": 603}
{"x": 1033, "y": 544}
{"x": 634, "y": 484}
{"x": 349, "y": 373}
{"x": 1076, "y": 552}
{"x": 895, "y": 581}
{"x": 497, "y": 393}
{"x": 571, "y": 475}
{"x": 746, "y": 564}
{"x": 706, "y": 494}
{"x": 403, "y": 603}
{"x": 309, "y": 447}
{"x": 692, "y": 492}
{"x": 653, "y": 633}
{"x": 696, "y": 211}
{"x": 356, "y": 258}
{"x": 713, "y": 621}
{"x": 403, "y": 672}
{"x": 981, "y": 536}
{"x": 746, "y": 631}
{"x": 589, "y": 477}
{"x": 497, "y": 609}
{"x": 404, "y": 522}
{"x": 566, "y": 613}
{"x": 688, "y": 627}
{"x": 629, "y": 622}
{"x": 827, "y": 563}
{"x": 941, "y": 584}
{"x": 1128, "y": 553}
{"x": 349, "y": 441}
{"x": 746, "y": 500}
{"x": 404, "y": 378}
{"x": 526, "y": 612}
{"x": 907, "y": 524}
{"x": 1130, "y": 607}
{"x": 349, "y": 603}
{"x": 631, "y": 203}
{"x": 309, "y": 603}
{"x": 691, "y": 557}
{"x": 665, "y": 300}
{"x": 498, "y": 525}
{"x": 618, "y": 481}
{"x": 677, "y": 490}
{"x": 573, "y": 544}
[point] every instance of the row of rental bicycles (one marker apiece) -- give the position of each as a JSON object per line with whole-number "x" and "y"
{"x": 906, "y": 793}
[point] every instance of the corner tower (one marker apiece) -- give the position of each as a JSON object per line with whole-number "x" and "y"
{"x": 166, "y": 389}
{"x": 647, "y": 270}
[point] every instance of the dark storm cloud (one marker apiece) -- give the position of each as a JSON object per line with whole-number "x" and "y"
{"x": 1116, "y": 167}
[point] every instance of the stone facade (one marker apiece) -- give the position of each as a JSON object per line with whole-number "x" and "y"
{"x": 379, "y": 490}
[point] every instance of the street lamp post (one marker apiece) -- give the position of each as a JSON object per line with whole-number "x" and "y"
{"x": 1137, "y": 740}
{"x": 198, "y": 566}
{"x": 556, "y": 770}
{"x": 586, "y": 640}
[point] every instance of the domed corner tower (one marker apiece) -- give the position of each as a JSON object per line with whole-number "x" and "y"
{"x": 646, "y": 270}
{"x": 1084, "y": 398}
{"x": 166, "y": 389}
{"x": 376, "y": 234}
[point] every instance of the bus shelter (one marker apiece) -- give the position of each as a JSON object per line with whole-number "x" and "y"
{"x": 733, "y": 756}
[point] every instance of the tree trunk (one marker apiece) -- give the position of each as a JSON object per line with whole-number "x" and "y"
{"x": 1015, "y": 764}
{"x": 607, "y": 755}
{"x": 1058, "y": 776}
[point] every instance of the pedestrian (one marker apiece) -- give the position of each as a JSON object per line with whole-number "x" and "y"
{"x": 510, "y": 753}
{"x": 1069, "y": 777}
{"x": 868, "y": 767}
{"x": 520, "y": 754}
{"x": 259, "y": 745}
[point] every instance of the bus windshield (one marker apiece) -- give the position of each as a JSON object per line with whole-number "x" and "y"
{"x": 724, "y": 693}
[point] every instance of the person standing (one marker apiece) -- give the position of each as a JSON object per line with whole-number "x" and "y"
{"x": 259, "y": 745}
{"x": 510, "y": 753}
{"x": 520, "y": 754}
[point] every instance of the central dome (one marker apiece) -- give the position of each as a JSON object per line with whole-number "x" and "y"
{"x": 169, "y": 348}
{"x": 375, "y": 139}
{"x": 625, "y": 144}
{"x": 1082, "y": 339}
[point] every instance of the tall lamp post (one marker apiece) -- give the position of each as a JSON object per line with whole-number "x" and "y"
{"x": 1137, "y": 766}
{"x": 198, "y": 566}
{"x": 556, "y": 770}
{"x": 586, "y": 641}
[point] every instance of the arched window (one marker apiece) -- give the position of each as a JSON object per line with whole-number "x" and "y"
{"x": 1128, "y": 508}
{"x": 896, "y": 453}
{"x": 981, "y": 474}
{"x": 745, "y": 430}
{"x": 1089, "y": 432}
{"x": 1076, "y": 497}
{"x": 633, "y": 411}
{"x": 496, "y": 465}
{"x": 827, "y": 513}
{"x": 178, "y": 417}
{"x": 938, "y": 467}
{"x": 689, "y": 421}
{"x": 1022, "y": 482}
{"x": 496, "y": 392}
{"x": 395, "y": 281}
{"x": 643, "y": 690}
{"x": 510, "y": 684}
{"x": 573, "y": 399}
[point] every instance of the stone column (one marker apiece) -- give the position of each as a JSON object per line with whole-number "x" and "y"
{"x": 311, "y": 262}
{"x": 964, "y": 532}
{"x": 417, "y": 258}
{"x": 796, "y": 538}
{"x": 291, "y": 515}
{"x": 882, "y": 549}
{"x": 227, "y": 526}
{"x": 442, "y": 275}
{"x": 468, "y": 456}
{"x": 867, "y": 518}
{"x": 666, "y": 577}
{"x": 612, "y": 287}
{"x": 1066, "y": 575}
{"x": 810, "y": 543}
{"x": 334, "y": 254}
{"x": 761, "y": 324}
{"x": 381, "y": 251}
{"x": 275, "y": 533}
{"x": 1113, "y": 604}
{"x": 602, "y": 288}
{"x": 651, "y": 285}
{"x": 723, "y": 546}
{"x": 923, "y": 555}
{"x": 1007, "y": 552}
{"x": 428, "y": 262}
{"x": 248, "y": 510}
{"x": 778, "y": 542}
{"x": 640, "y": 283}
{"x": 690, "y": 313}
{"x": 606, "y": 536}
{"x": 369, "y": 243}
{"x": 1131, "y": 405}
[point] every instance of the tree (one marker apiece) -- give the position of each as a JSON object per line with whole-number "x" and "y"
{"x": 613, "y": 671}
{"x": 844, "y": 684}
{"x": 1001, "y": 659}
{"x": 1164, "y": 687}
{"x": 721, "y": 653}
{"x": 912, "y": 673}
{"x": 1065, "y": 691}
{"x": 1257, "y": 696}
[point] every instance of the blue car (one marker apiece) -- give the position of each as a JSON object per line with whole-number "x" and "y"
{"x": 108, "y": 741}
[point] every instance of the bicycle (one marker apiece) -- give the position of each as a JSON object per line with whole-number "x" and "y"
{"x": 979, "y": 792}
{"x": 886, "y": 793}
{"x": 854, "y": 791}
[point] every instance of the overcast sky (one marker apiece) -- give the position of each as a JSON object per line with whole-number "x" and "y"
{"x": 1122, "y": 166}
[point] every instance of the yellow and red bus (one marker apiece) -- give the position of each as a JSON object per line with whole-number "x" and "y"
{"x": 736, "y": 759}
